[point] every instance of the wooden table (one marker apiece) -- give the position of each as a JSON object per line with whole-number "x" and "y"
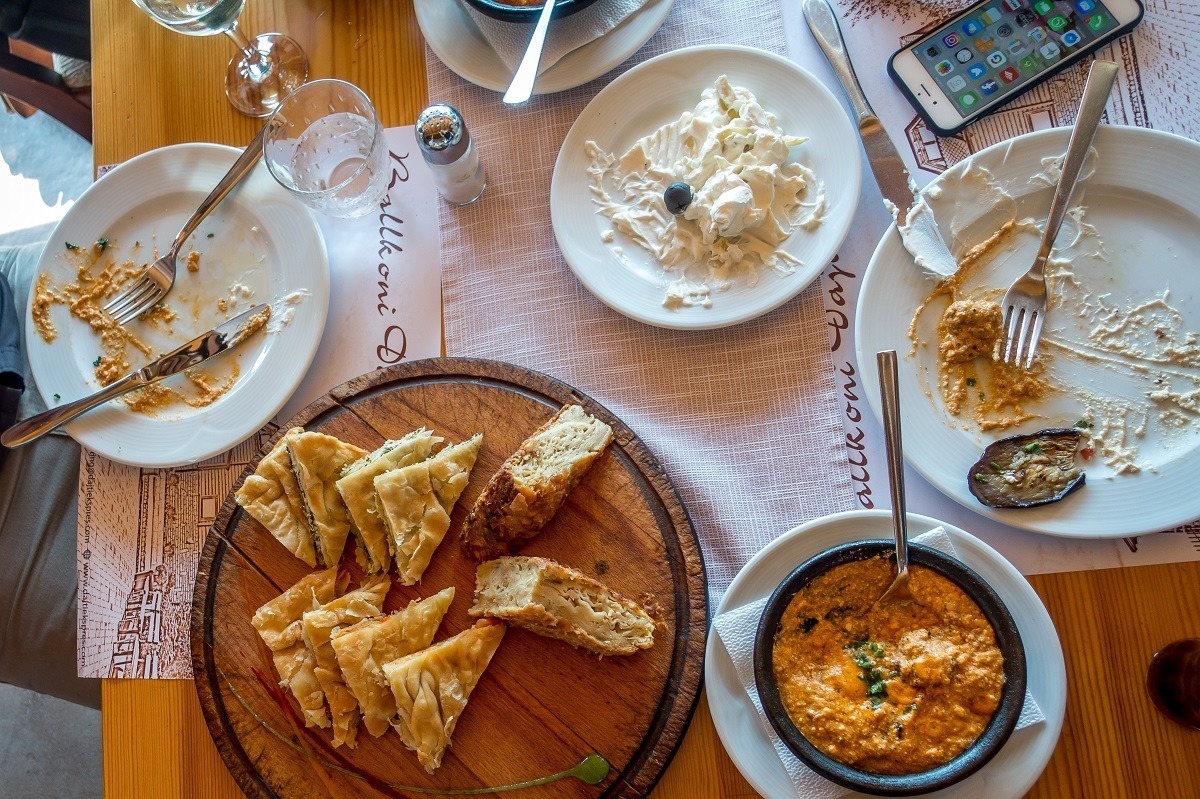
{"x": 154, "y": 87}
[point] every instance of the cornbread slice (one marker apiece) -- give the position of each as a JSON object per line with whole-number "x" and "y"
{"x": 363, "y": 648}
{"x": 272, "y": 496}
{"x": 357, "y": 487}
{"x": 557, "y": 601}
{"x": 531, "y": 485}
{"x": 317, "y": 460}
{"x": 318, "y": 627}
{"x": 415, "y": 503}
{"x": 431, "y": 688}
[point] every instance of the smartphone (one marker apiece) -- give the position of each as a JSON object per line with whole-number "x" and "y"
{"x": 999, "y": 49}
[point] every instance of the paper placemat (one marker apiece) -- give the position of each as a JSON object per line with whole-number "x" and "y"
{"x": 744, "y": 419}
{"x": 141, "y": 530}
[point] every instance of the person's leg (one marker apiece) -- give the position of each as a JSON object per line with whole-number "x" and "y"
{"x": 38, "y": 571}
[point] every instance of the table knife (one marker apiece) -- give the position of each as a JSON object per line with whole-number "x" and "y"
{"x": 223, "y": 337}
{"x": 921, "y": 236}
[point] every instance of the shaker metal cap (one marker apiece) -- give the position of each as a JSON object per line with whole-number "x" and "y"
{"x": 441, "y": 134}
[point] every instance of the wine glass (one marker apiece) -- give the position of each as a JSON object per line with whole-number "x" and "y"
{"x": 266, "y": 68}
{"x": 325, "y": 144}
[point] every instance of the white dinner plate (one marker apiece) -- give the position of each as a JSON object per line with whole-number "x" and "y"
{"x": 658, "y": 91}
{"x": 1144, "y": 201}
{"x": 1009, "y": 774}
{"x": 259, "y": 237}
{"x": 456, "y": 41}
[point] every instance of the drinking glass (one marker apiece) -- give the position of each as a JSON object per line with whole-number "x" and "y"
{"x": 1173, "y": 681}
{"x": 325, "y": 144}
{"x": 265, "y": 69}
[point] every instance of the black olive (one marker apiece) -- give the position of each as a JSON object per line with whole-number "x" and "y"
{"x": 678, "y": 197}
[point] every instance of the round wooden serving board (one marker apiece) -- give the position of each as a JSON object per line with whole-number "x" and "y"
{"x": 541, "y": 706}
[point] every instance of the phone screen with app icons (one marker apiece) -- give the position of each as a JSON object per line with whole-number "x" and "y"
{"x": 1002, "y": 45}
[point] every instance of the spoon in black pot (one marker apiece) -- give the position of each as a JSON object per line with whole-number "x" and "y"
{"x": 889, "y": 393}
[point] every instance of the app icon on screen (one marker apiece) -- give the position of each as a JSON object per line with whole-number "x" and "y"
{"x": 1043, "y": 7}
{"x": 1028, "y": 63}
{"x": 971, "y": 27}
{"x": 957, "y": 83}
{"x": 976, "y": 71}
{"x": 1016, "y": 47}
{"x": 1070, "y": 38}
{"x": 931, "y": 51}
{"x": 989, "y": 87}
{"x": 1057, "y": 22}
{"x": 951, "y": 39}
{"x": 1037, "y": 34}
{"x": 964, "y": 55}
{"x": 1050, "y": 51}
{"x": 1012, "y": 5}
{"x": 1097, "y": 21}
{"x": 996, "y": 59}
{"x": 1009, "y": 74}
{"x": 1024, "y": 19}
{"x": 984, "y": 43}
{"x": 944, "y": 68}
{"x": 1004, "y": 31}
{"x": 1084, "y": 6}
{"x": 969, "y": 99}
{"x": 990, "y": 16}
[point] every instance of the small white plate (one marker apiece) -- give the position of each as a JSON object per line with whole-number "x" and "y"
{"x": 1013, "y": 770}
{"x": 1144, "y": 201}
{"x": 262, "y": 238}
{"x": 456, "y": 41}
{"x": 658, "y": 91}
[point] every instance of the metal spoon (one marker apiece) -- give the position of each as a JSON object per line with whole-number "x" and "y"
{"x": 889, "y": 392}
{"x": 521, "y": 88}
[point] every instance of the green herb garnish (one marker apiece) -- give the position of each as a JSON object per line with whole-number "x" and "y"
{"x": 102, "y": 244}
{"x": 970, "y": 381}
{"x": 980, "y": 477}
{"x": 1034, "y": 449}
{"x": 996, "y": 467}
{"x": 97, "y": 361}
{"x": 57, "y": 397}
{"x": 210, "y": 235}
{"x": 71, "y": 246}
{"x": 865, "y": 654}
{"x": 1084, "y": 424}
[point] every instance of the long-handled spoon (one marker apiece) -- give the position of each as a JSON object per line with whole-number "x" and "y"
{"x": 889, "y": 392}
{"x": 521, "y": 88}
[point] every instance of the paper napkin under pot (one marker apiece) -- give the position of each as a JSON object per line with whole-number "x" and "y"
{"x": 509, "y": 39}
{"x": 737, "y": 629}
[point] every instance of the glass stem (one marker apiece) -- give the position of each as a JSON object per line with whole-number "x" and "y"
{"x": 258, "y": 66}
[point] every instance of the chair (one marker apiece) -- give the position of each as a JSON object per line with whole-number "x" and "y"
{"x": 29, "y": 82}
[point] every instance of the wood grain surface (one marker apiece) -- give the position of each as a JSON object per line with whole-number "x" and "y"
{"x": 154, "y": 87}
{"x": 542, "y": 706}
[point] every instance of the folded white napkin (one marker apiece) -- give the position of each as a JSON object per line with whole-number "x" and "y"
{"x": 737, "y": 629}
{"x": 509, "y": 39}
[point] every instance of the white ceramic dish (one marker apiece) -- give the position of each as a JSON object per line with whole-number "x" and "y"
{"x": 261, "y": 238}
{"x": 1144, "y": 200}
{"x": 1009, "y": 775}
{"x": 657, "y": 92}
{"x": 457, "y": 42}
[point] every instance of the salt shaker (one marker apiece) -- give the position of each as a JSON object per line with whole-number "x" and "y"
{"x": 446, "y": 146}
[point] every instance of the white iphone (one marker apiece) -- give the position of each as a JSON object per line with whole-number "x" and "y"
{"x": 998, "y": 49}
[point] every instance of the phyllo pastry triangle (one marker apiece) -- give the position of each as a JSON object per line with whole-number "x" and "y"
{"x": 280, "y": 624}
{"x": 317, "y": 461}
{"x": 363, "y": 649}
{"x": 357, "y": 487}
{"x": 415, "y": 503}
{"x": 531, "y": 485}
{"x": 272, "y": 496}
{"x": 431, "y": 688}
{"x": 319, "y": 625}
{"x": 557, "y": 601}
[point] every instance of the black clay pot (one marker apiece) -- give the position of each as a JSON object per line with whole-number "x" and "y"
{"x": 967, "y": 762}
{"x": 509, "y": 13}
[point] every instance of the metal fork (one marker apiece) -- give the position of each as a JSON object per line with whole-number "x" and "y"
{"x": 149, "y": 289}
{"x": 1025, "y": 302}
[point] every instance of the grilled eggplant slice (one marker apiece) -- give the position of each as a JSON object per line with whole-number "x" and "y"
{"x": 1028, "y": 470}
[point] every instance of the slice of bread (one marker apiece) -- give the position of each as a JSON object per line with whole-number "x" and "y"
{"x": 559, "y": 602}
{"x": 522, "y": 497}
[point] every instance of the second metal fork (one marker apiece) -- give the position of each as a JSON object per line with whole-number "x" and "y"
{"x": 154, "y": 283}
{"x": 1024, "y": 304}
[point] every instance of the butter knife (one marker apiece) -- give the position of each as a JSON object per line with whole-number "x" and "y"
{"x": 223, "y": 337}
{"x": 917, "y": 226}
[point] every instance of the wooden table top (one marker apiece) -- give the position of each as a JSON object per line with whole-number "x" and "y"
{"x": 154, "y": 87}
